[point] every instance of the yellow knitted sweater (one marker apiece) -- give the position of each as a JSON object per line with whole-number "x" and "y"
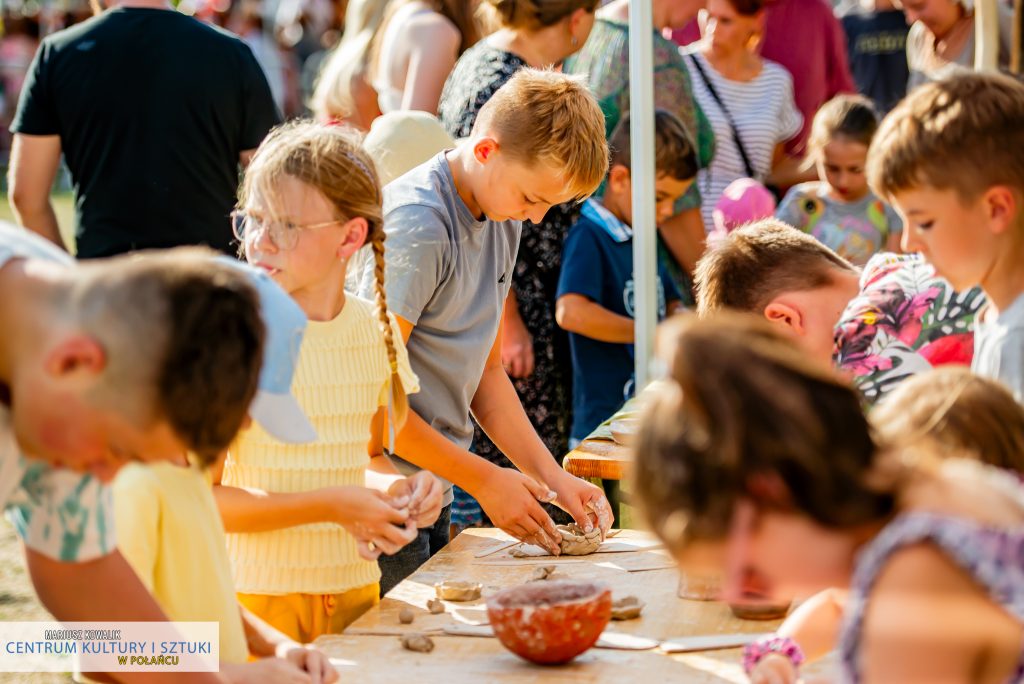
{"x": 340, "y": 382}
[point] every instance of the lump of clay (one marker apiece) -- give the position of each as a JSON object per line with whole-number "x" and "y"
{"x": 458, "y": 591}
{"x": 435, "y": 606}
{"x": 542, "y": 572}
{"x": 628, "y": 608}
{"x": 405, "y": 616}
{"x": 576, "y": 543}
{"x": 420, "y": 643}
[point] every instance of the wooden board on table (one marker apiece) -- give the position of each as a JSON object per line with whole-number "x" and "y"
{"x": 382, "y": 659}
{"x": 599, "y": 459}
{"x": 470, "y": 659}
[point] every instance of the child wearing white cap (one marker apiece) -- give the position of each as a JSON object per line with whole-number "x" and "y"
{"x": 94, "y": 363}
{"x": 170, "y": 531}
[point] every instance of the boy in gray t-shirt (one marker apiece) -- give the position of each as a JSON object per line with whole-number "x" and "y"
{"x": 453, "y": 227}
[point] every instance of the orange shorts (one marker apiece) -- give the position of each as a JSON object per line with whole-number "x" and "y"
{"x": 304, "y": 617}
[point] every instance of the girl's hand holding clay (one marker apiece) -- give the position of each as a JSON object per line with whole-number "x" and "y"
{"x": 380, "y": 523}
{"x": 424, "y": 493}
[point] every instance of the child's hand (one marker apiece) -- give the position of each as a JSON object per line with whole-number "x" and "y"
{"x": 265, "y": 671}
{"x": 424, "y": 493}
{"x": 312, "y": 661}
{"x": 510, "y": 501}
{"x": 379, "y": 523}
{"x": 516, "y": 348}
{"x": 585, "y": 502}
{"x": 774, "y": 668}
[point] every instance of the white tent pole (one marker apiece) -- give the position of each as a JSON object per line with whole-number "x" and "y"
{"x": 986, "y": 35}
{"x": 1018, "y": 29}
{"x": 645, "y": 269}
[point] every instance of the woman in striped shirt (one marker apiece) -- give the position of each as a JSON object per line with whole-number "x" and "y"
{"x": 748, "y": 99}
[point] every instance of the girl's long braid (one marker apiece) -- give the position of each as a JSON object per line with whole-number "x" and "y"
{"x": 399, "y": 400}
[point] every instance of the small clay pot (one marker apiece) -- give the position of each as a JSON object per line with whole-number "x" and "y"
{"x": 760, "y": 610}
{"x": 550, "y": 623}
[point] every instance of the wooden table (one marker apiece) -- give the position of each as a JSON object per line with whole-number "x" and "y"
{"x": 370, "y": 650}
{"x": 598, "y": 458}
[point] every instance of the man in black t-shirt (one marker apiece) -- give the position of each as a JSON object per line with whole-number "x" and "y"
{"x": 876, "y": 36}
{"x": 153, "y": 111}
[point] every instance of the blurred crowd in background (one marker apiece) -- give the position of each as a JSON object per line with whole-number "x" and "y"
{"x": 289, "y": 38}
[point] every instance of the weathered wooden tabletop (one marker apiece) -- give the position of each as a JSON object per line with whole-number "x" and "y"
{"x": 370, "y": 649}
{"x": 599, "y": 458}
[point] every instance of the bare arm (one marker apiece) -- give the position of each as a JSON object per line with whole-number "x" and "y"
{"x": 788, "y": 171}
{"x": 367, "y": 514}
{"x": 927, "y": 621}
{"x": 497, "y": 408}
{"x": 508, "y": 496}
{"x": 435, "y": 46}
{"x": 381, "y": 473}
{"x": 684, "y": 235}
{"x": 34, "y": 163}
{"x": 815, "y": 624}
{"x": 577, "y": 314}
{"x": 516, "y": 342}
{"x": 101, "y": 590}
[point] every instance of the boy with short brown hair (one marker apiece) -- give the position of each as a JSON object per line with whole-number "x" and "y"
{"x": 595, "y": 297}
{"x": 137, "y": 358}
{"x": 453, "y": 227}
{"x": 759, "y": 261}
{"x": 881, "y": 325}
{"x": 949, "y": 159}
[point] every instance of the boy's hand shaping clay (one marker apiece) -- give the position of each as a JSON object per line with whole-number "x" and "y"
{"x": 510, "y": 501}
{"x": 585, "y": 502}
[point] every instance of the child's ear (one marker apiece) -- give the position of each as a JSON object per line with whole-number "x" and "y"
{"x": 355, "y": 238}
{"x": 484, "y": 149}
{"x": 576, "y": 19}
{"x": 618, "y": 178}
{"x": 785, "y": 315}
{"x": 79, "y": 353}
{"x": 1002, "y": 207}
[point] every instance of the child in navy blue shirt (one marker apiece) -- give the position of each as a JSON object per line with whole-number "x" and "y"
{"x": 595, "y": 289}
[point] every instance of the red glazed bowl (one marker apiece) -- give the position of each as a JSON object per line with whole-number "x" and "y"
{"x": 550, "y": 623}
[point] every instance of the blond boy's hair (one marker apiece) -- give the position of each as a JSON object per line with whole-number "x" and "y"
{"x": 331, "y": 160}
{"x": 963, "y": 133}
{"x": 549, "y": 117}
{"x": 956, "y": 413}
{"x": 757, "y": 262}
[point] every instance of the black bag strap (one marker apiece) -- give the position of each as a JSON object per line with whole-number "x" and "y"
{"x": 728, "y": 117}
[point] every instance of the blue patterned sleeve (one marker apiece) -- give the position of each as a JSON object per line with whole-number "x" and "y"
{"x": 64, "y": 515}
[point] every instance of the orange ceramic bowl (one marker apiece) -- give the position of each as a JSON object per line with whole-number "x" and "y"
{"x": 550, "y": 623}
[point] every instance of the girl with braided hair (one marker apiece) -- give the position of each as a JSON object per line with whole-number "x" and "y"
{"x": 306, "y": 522}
